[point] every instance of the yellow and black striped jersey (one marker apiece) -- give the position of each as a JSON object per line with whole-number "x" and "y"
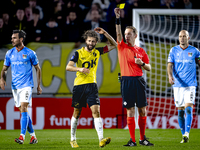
{"x": 85, "y": 59}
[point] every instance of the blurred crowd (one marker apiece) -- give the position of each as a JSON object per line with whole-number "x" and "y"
{"x": 65, "y": 20}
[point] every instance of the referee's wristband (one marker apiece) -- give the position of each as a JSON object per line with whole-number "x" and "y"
{"x": 143, "y": 64}
{"x": 117, "y": 21}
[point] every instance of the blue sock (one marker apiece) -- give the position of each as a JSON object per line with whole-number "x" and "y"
{"x": 24, "y": 122}
{"x": 181, "y": 120}
{"x": 188, "y": 118}
{"x": 30, "y": 125}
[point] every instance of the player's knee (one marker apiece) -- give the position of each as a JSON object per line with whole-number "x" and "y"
{"x": 181, "y": 114}
{"x": 95, "y": 114}
{"x": 142, "y": 111}
{"x": 188, "y": 110}
{"x": 77, "y": 113}
{"x": 24, "y": 107}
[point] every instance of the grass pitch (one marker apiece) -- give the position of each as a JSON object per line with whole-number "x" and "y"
{"x": 164, "y": 139}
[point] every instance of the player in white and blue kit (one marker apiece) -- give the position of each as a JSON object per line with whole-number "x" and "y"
{"x": 181, "y": 70}
{"x": 21, "y": 59}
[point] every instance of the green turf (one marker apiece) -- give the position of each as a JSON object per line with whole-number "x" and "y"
{"x": 168, "y": 139}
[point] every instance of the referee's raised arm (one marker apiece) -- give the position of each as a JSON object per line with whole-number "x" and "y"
{"x": 118, "y": 24}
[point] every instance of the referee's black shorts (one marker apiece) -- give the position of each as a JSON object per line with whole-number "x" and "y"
{"x": 85, "y": 94}
{"x": 133, "y": 91}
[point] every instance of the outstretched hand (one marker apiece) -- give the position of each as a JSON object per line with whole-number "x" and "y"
{"x": 99, "y": 30}
{"x": 117, "y": 12}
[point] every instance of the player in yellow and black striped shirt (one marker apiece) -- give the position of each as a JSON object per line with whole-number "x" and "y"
{"x": 85, "y": 88}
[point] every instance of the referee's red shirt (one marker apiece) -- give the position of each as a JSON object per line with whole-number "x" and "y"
{"x": 127, "y": 61}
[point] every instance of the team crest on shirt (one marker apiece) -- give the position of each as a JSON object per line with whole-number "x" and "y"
{"x": 190, "y": 54}
{"x": 24, "y": 56}
{"x": 94, "y": 54}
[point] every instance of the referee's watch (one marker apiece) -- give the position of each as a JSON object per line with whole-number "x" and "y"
{"x": 143, "y": 64}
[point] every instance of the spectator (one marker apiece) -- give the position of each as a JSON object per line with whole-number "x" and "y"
{"x": 3, "y": 32}
{"x": 52, "y": 32}
{"x": 96, "y": 22}
{"x": 85, "y": 6}
{"x": 134, "y": 4}
{"x": 110, "y": 17}
{"x": 167, "y": 4}
{"x": 38, "y": 27}
{"x": 29, "y": 14}
{"x": 7, "y": 20}
{"x": 187, "y": 4}
{"x": 74, "y": 4}
{"x": 103, "y": 3}
{"x": 20, "y": 23}
{"x": 96, "y": 6}
{"x": 58, "y": 13}
{"x": 33, "y": 5}
{"x": 72, "y": 30}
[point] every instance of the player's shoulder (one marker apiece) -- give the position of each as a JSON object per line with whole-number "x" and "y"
{"x": 140, "y": 49}
{"x": 10, "y": 51}
{"x": 80, "y": 50}
{"x": 192, "y": 47}
{"x": 175, "y": 48}
{"x": 29, "y": 51}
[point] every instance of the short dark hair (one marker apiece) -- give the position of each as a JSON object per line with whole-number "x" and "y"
{"x": 91, "y": 33}
{"x": 22, "y": 34}
{"x": 133, "y": 28}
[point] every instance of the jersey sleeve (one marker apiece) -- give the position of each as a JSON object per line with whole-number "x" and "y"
{"x": 171, "y": 56}
{"x": 120, "y": 45}
{"x": 34, "y": 59}
{"x": 145, "y": 58}
{"x": 103, "y": 50}
{"x": 74, "y": 57}
{"x": 7, "y": 60}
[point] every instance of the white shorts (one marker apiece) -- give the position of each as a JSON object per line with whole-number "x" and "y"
{"x": 22, "y": 95}
{"x": 183, "y": 95}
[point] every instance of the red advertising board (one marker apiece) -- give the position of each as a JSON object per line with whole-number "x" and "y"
{"x": 56, "y": 113}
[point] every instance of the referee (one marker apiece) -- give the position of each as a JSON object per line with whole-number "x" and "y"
{"x": 132, "y": 59}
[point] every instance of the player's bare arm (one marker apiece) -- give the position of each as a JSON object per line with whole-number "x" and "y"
{"x": 71, "y": 67}
{"x": 38, "y": 73}
{"x": 118, "y": 26}
{"x": 3, "y": 77}
{"x": 170, "y": 73}
{"x": 111, "y": 42}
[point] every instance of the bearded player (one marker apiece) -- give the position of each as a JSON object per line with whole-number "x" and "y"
{"x": 85, "y": 89}
{"x": 21, "y": 59}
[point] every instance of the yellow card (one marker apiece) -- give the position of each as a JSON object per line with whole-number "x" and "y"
{"x": 121, "y": 6}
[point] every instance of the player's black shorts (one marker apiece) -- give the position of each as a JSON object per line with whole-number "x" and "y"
{"x": 133, "y": 91}
{"x": 85, "y": 94}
